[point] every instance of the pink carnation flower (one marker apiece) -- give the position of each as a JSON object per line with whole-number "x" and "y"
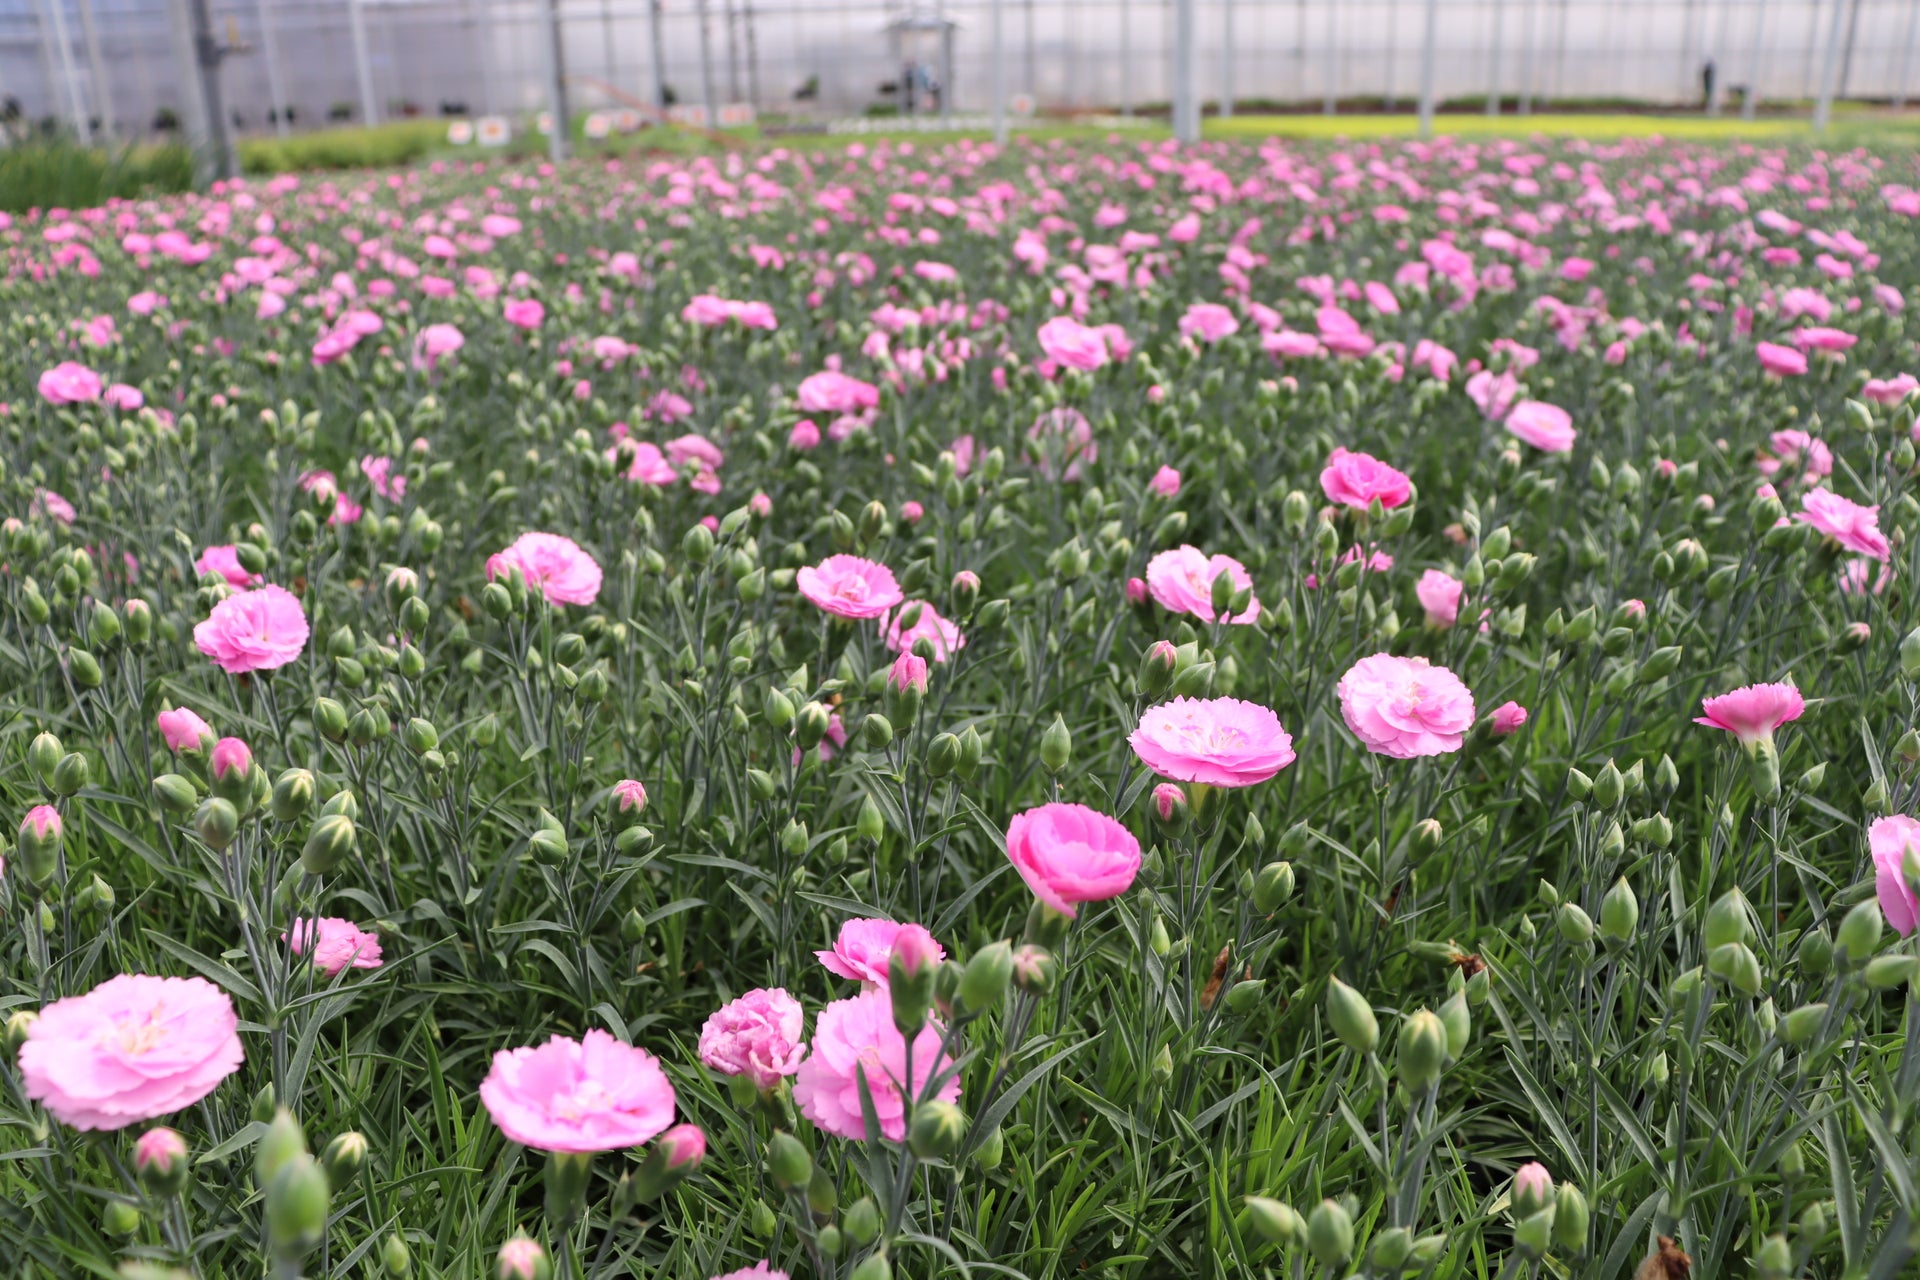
{"x": 524, "y": 313}
{"x": 1069, "y": 854}
{"x": 1781, "y": 362}
{"x": 646, "y": 465}
{"x": 1889, "y": 839}
{"x": 1223, "y": 742}
{"x": 1890, "y": 391}
{"x": 1356, "y": 479}
{"x": 334, "y": 944}
{"x": 70, "y": 383}
{"x": 944, "y": 636}
{"x": 757, "y": 1036}
{"x": 559, "y": 568}
{"x": 862, "y": 950}
{"x": 758, "y": 1271}
{"x": 1508, "y": 718}
{"x": 1796, "y": 451}
{"x": 134, "y": 1048}
{"x": 1063, "y": 440}
{"x": 831, "y": 391}
{"x": 1165, "y": 483}
{"x": 225, "y": 561}
{"x": 1753, "y": 712}
{"x": 849, "y": 587}
{"x": 854, "y": 1040}
{"x": 1405, "y": 707}
{"x": 1077, "y": 346}
{"x": 590, "y": 1094}
{"x": 1439, "y": 593}
{"x": 1181, "y": 581}
{"x": 1853, "y": 526}
{"x": 1209, "y": 321}
{"x": 259, "y": 630}
{"x": 1547, "y": 427}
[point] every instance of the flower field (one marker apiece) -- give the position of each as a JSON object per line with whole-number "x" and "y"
{"x": 1097, "y": 710}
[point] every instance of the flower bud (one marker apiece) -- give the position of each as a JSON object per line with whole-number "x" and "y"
{"x": 1532, "y": 1189}
{"x": 1035, "y": 970}
{"x": 160, "y": 1161}
{"x": 1158, "y": 666}
{"x": 1272, "y": 887}
{"x": 861, "y": 1221}
{"x": 1802, "y": 1024}
{"x": 292, "y": 794}
{"x": 1276, "y": 1222}
{"x": 1351, "y": 1018}
{"x": 873, "y": 1267}
{"x": 344, "y": 1158}
{"x": 811, "y": 725}
{"x": 1619, "y": 913}
{"x": 1390, "y": 1249}
{"x": 297, "y": 1202}
{"x": 937, "y": 1130}
{"x": 120, "y": 1218}
{"x": 217, "y": 822}
{"x": 522, "y": 1258}
{"x": 1859, "y": 934}
{"x": 1728, "y": 921}
{"x": 395, "y": 1257}
{"x": 987, "y": 974}
{"x": 1883, "y": 973}
{"x": 1570, "y": 1220}
{"x": 1533, "y": 1234}
{"x": 330, "y": 718}
{"x": 1773, "y": 1260}
{"x": 674, "y": 1157}
{"x": 1736, "y": 964}
{"x": 1609, "y": 788}
{"x": 1056, "y": 745}
{"x": 788, "y": 1163}
{"x": 943, "y": 755}
{"x": 330, "y": 839}
{"x": 1171, "y": 809}
{"x": 1422, "y": 1050}
{"x": 1330, "y": 1234}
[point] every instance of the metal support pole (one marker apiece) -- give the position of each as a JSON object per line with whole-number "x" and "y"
{"x": 612, "y": 60}
{"x": 1033, "y": 83}
{"x": 1846, "y": 61}
{"x": 1529, "y": 30}
{"x": 1426, "y": 71}
{"x": 1126, "y": 56}
{"x": 1331, "y": 101}
{"x": 733, "y": 51}
{"x": 1493, "y": 64}
{"x": 998, "y": 34}
{"x": 753, "y": 55}
{"x": 363, "y": 63}
{"x": 97, "y": 68}
{"x": 1830, "y": 73}
{"x": 1186, "y": 113}
{"x": 55, "y": 29}
{"x": 1750, "y": 105}
{"x": 706, "y": 68}
{"x": 659, "y": 60}
{"x": 276, "y": 88}
{"x": 1226, "y": 59}
{"x": 1906, "y": 59}
{"x": 562, "y": 134}
{"x": 193, "y": 108}
{"x": 209, "y": 53}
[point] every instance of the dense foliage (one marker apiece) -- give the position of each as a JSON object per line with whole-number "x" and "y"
{"x": 651, "y": 658}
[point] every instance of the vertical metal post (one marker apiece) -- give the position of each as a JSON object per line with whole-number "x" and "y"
{"x": 612, "y": 61}
{"x": 1906, "y": 59}
{"x": 193, "y": 109}
{"x": 363, "y": 63}
{"x": 733, "y": 51}
{"x": 97, "y": 68}
{"x": 1529, "y": 31}
{"x": 208, "y": 54}
{"x": 659, "y": 59}
{"x": 753, "y": 55}
{"x": 706, "y": 68}
{"x": 1186, "y": 114}
{"x": 1846, "y": 61}
{"x": 1032, "y": 79}
{"x": 270, "y": 48}
{"x": 1126, "y": 55}
{"x": 1750, "y": 105}
{"x": 562, "y": 134}
{"x": 1226, "y": 59}
{"x": 54, "y": 28}
{"x": 1426, "y": 71}
{"x": 1330, "y": 102}
{"x": 999, "y": 39}
{"x": 1830, "y": 73}
{"x": 1493, "y": 63}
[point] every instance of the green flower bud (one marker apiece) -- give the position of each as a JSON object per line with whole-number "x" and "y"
{"x": 987, "y": 975}
{"x": 292, "y": 794}
{"x": 1422, "y": 1050}
{"x": 1330, "y": 1234}
{"x": 175, "y": 793}
{"x": 1456, "y": 1015}
{"x": 1272, "y": 887}
{"x": 1737, "y": 964}
{"x": 120, "y": 1218}
{"x": 1883, "y": 973}
{"x": 1575, "y": 925}
{"x": 822, "y": 1195}
{"x": 1277, "y": 1223}
{"x": 1619, "y": 913}
{"x": 1859, "y": 934}
{"x": 1532, "y": 1235}
{"x": 1056, "y": 745}
{"x": 344, "y": 1158}
{"x": 1728, "y": 921}
{"x": 283, "y": 1140}
{"x": 874, "y": 1267}
{"x": 1390, "y": 1250}
{"x": 1773, "y": 1260}
{"x": 330, "y": 839}
{"x": 1352, "y": 1020}
{"x": 1609, "y": 788}
{"x": 937, "y": 1130}
{"x": 1815, "y": 953}
{"x": 1800, "y": 1026}
{"x": 861, "y": 1221}
{"x": 395, "y": 1257}
{"x": 788, "y": 1162}
{"x": 217, "y": 822}
{"x": 1570, "y": 1219}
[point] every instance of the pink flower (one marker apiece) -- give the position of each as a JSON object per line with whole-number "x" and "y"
{"x": 758, "y": 1271}
{"x": 134, "y": 1048}
{"x": 1065, "y": 440}
{"x": 805, "y": 435}
{"x": 629, "y": 796}
{"x": 1889, "y": 838}
{"x": 48, "y": 503}
{"x": 436, "y": 341}
{"x": 1356, "y": 480}
{"x": 525, "y": 313}
{"x": 1853, "y": 526}
{"x": 1165, "y": 483}
{"x": 334, "y": 944}
{"x": 1182, "y": 579}
{"x": 1069, "y": 854}
{"x": 225, "y": 561}
{"x": 1798, "y": 450}
{"x": 1439, "y": 593}
{"x": 558, "y": 567}
{"x": 1753, "y": 712}
{"x": 1223, "y": 742}
{"x": 1890, "y": 391}
{"x": 831, "y": 391}
{"x": 1781, "y": 362}
{"x": 123, "y": 397}
{"x": 849, "y": 587}
{"x": 230, "y": 755}
{"x": 1208, "y": 321}
{"x": 259, "y": 630}
{"x": 1547, "y": 427}
{"x": 1405, "y": 707}
{"x": 1066, "y": 341}
{"x": 1819, "y": 338}
{"x": 757, "y": 1035}
{"x": 70, "y": 383}
{"x": 1508, "y": 718}
{"x": 184, "y": 731}
{"x": 521, "y": 1258}
{"x": 944, "y": 636}
{"x": 1532, "y": 1188}
{"x": 646, "y": 465}
{"x": 697, "y": 450}
{"x": 43, "y": 820}
{"x": 590, "y": 1094}
{"x": 862, "y": 950}
{"x": 909, "y": 671}
{"x": 158, "y": 1149}
{"x": 855, "y": 1040}
{"x": 379, "y": 474}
